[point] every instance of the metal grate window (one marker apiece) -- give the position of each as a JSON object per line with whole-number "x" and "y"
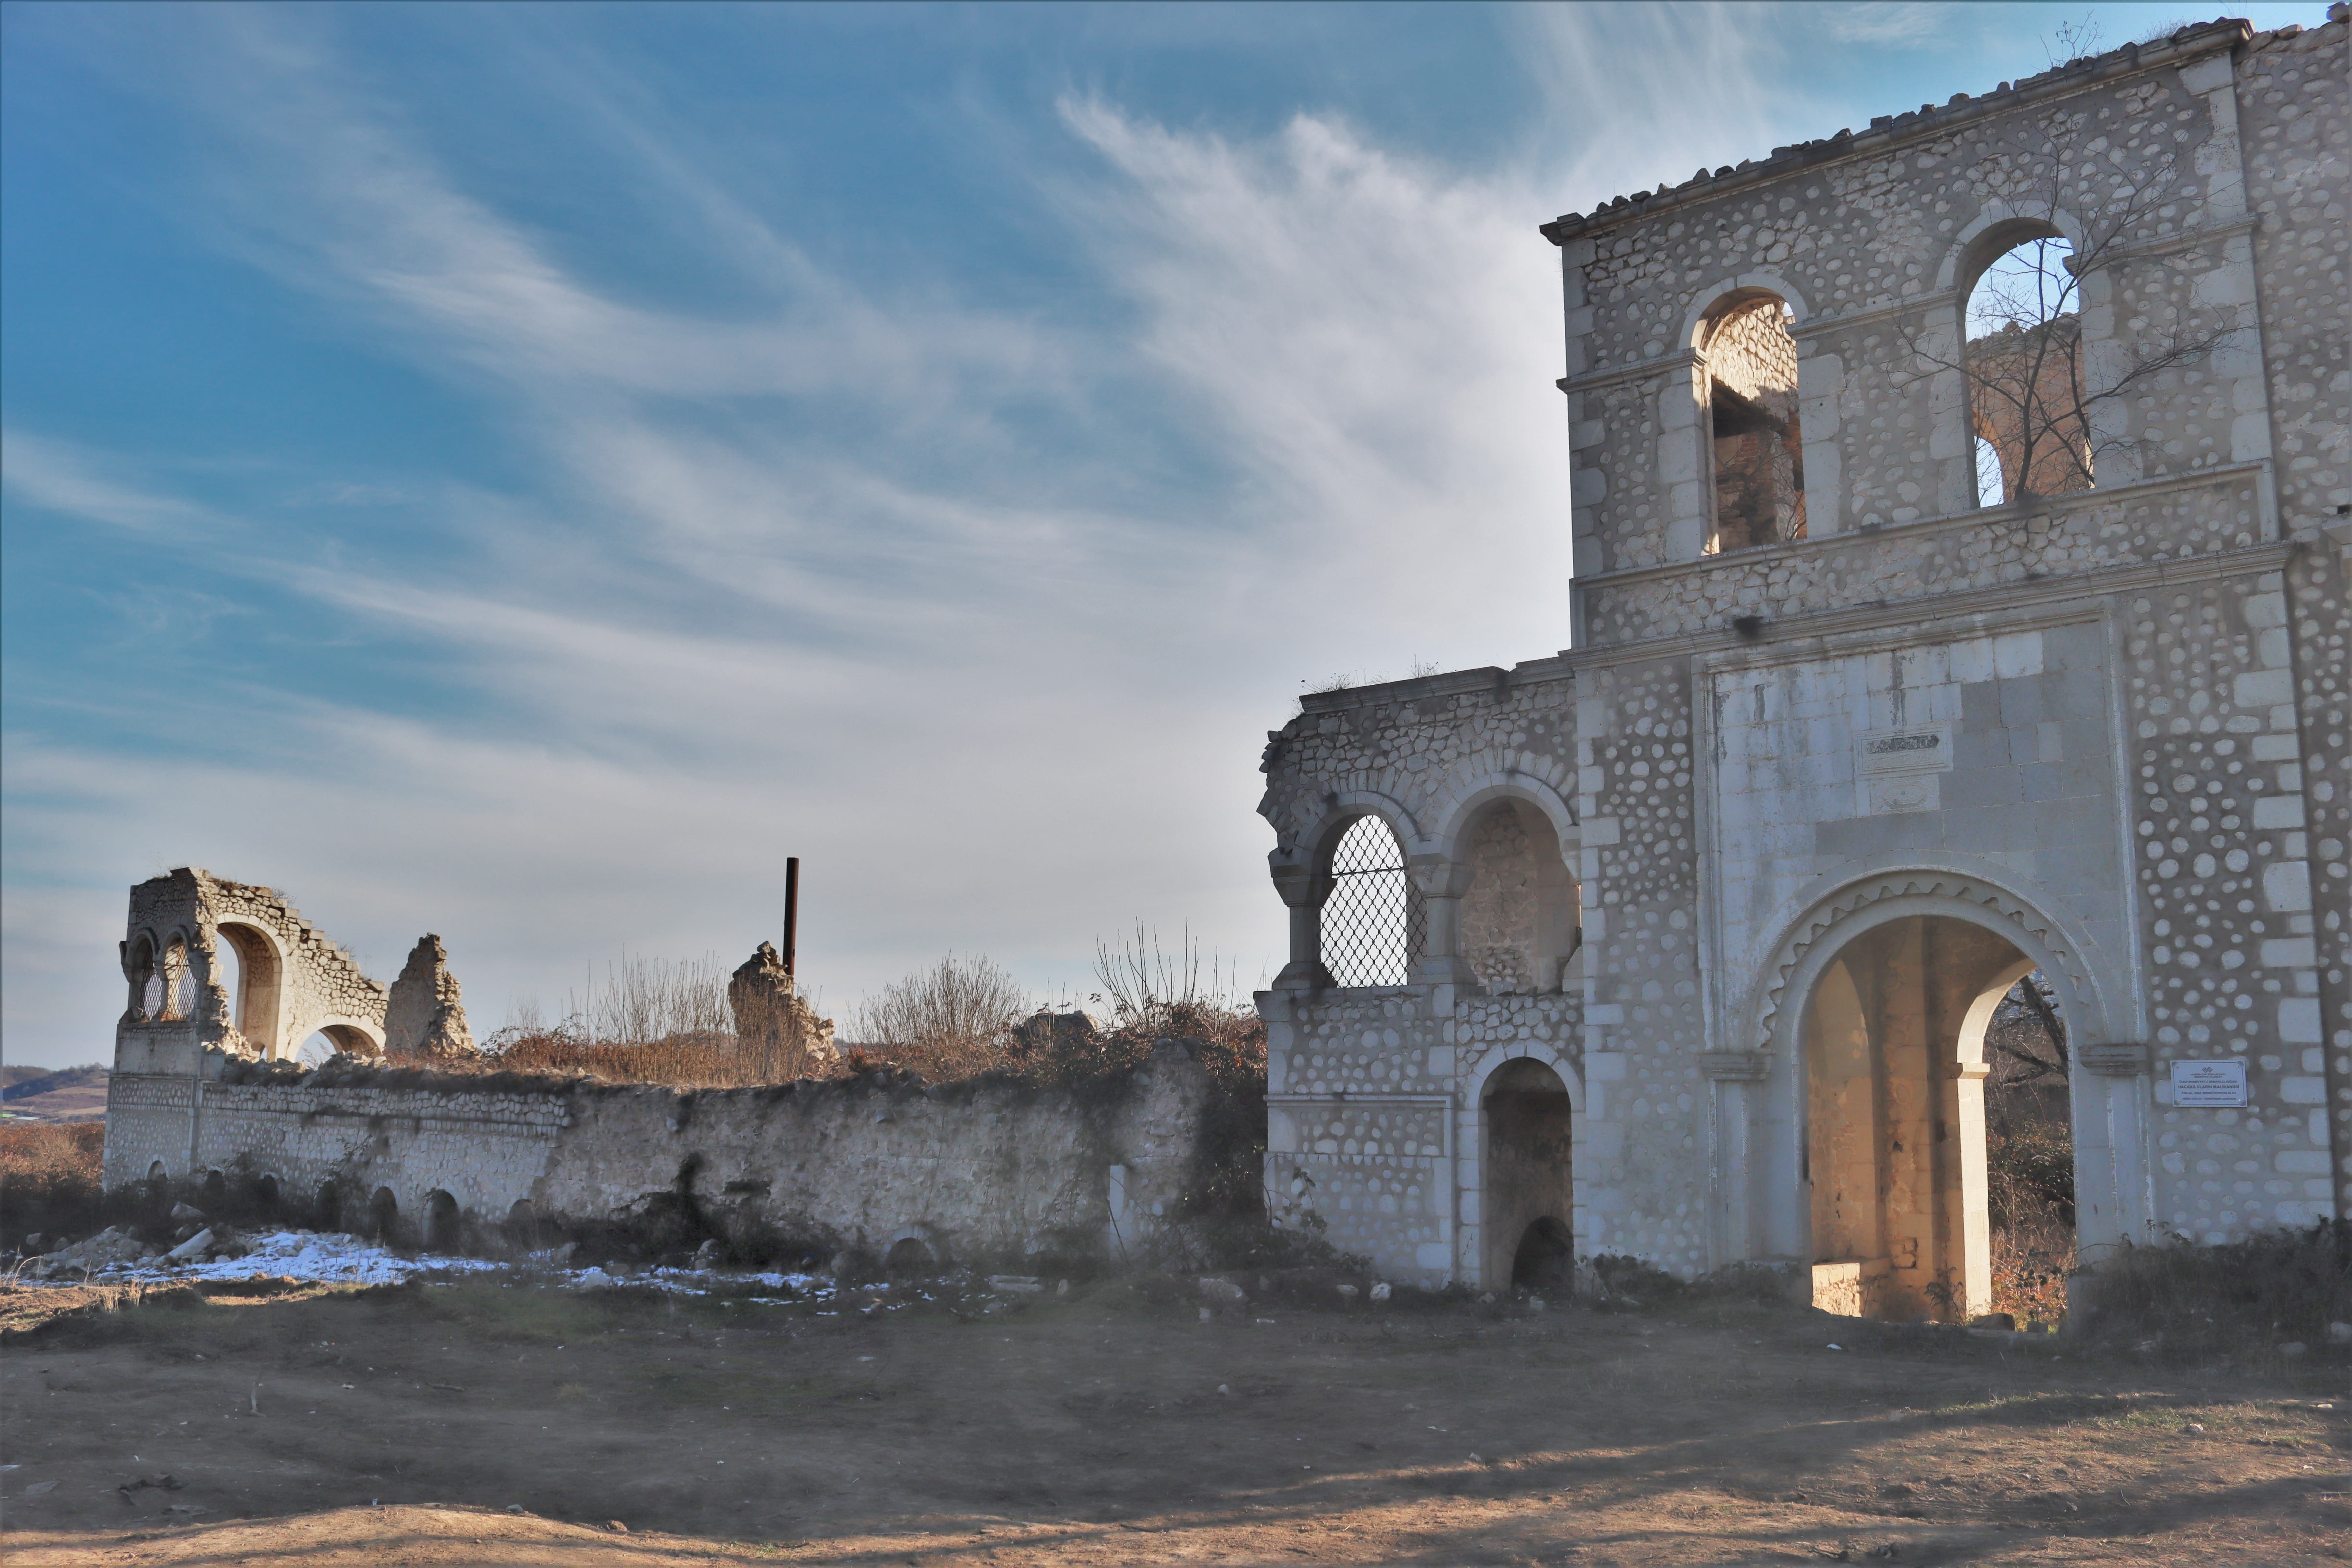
{"x": 1374, "y": 924}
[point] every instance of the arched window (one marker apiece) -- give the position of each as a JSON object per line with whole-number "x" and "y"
{"x": 175, "y": 986}
{"x": 1759, "y": 446}
{"x": 1374, "y": 922}
{"x": 146, "y": 984}
{"x": 1991, "y": 487}
{"x": 2027, "y": 397}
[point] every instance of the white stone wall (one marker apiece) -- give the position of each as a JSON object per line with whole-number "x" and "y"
{"x": 2109, "y": 728}
{"x": 981, "y": 1172}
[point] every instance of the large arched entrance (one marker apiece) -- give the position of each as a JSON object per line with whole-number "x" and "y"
{"x": 1527, "y": 1203}
{"x": 1893, "y": 1039}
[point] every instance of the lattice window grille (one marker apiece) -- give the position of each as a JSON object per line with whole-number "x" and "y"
{"x": 1375, "y": 924}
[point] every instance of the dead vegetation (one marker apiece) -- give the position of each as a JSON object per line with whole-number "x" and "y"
{"x": 51, "y": 1179}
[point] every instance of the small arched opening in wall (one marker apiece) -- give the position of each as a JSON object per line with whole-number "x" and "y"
{"x": 336, "y": 1039}
{"x": 444, "y": 1224}
{"x": 1916, "y": 1208}
{"x": 140, "y": 968}
{"x": 1519, "y": 917}
{"x": 1757, "y": 441}
{"x": 522, "y": 1226}
{"x": 384, "y": 1218}
{"x": 268, "y": 1196}
{"x": 329, "y": 1206}
{"x": 1375, "y": 925}
{"x": 1526, "y": 1203}
{"x": 2022, "y": 365}
{"x": 212, "y": 1193}
{"x": 910, "y": 1257}
{"x": 173, "y": 987}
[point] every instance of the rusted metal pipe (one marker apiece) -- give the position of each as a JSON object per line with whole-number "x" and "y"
{"x": 792, "y": 910}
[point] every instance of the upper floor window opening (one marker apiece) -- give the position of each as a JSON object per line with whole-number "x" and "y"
{"x": 2027, "y": 397}
{"x": 1757, "y": 444}
{"x": 1375, "y": 922}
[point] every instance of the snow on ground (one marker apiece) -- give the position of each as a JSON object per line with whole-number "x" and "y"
{"x": 347, "y": 1259}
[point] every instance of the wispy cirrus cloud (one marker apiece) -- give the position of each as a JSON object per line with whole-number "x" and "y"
{"x": 978, "y": 606}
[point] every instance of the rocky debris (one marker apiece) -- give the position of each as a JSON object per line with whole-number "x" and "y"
{"x": 424, "y": 1019}
{"x": 109, "y": 1247}
{"x": 773, "y": 1023}
{"x": 189, "y": 1251}
{"x": 1217, "y": 1291}
{"x": 1048, "y": 1034}
{"x": 1017, "y": 1285}
{"x": 184, "y": 1214}
{"x": 2340, "y": 1333}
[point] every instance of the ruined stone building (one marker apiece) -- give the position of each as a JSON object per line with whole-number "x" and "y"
{"x": 1682, "y": 943}
{"x": 388, "y": 1138}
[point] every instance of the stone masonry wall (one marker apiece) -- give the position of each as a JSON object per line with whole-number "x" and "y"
{"x": 2108, "y": 730}
{"x": 984, "y": 1172}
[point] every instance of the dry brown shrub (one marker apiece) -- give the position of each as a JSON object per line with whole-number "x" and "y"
{"x": 704, "y": 1060}
{"x": 51, "y": 1176}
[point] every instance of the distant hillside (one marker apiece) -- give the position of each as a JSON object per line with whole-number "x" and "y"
{"x": 14, "y": 1074}
{"x": 68, "y": 1094}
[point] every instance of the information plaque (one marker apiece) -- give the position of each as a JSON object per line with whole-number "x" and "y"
{"x": 2209, "y": 1083}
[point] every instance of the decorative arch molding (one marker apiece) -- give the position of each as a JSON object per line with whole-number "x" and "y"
{"x": 1703, "y": 303}
{"x": 1499, "y": 1056}
{"x": 1864, "y": 903}
{"x": 1967, "y": 246}
{"x": 1340, "y": 808}
{"x": 1460, "y": 804}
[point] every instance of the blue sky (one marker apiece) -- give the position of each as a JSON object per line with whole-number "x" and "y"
{"x": 520, "y": 472}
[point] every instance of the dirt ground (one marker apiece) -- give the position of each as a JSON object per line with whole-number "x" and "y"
{"x": 408, "y": 1425}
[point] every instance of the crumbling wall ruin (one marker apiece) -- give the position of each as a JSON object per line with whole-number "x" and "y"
{"x": 383, "y": 1137}
{"x": 293, "y": 981}
{"x": 425, "y": 1016}
{"x": 775, "y": 1025}
{"x": 988, "y": 1171}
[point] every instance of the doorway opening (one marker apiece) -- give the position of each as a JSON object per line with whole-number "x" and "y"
{"x": 2029, "y": 1153}
{"x": 1527, "y": 1205}
{"x": 1895, "y": 1041}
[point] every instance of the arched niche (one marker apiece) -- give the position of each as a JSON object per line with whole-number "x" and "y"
{"x": 1519, "y": 919}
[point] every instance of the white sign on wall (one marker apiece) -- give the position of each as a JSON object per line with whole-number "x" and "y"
{"x": 2209, "y": 1083}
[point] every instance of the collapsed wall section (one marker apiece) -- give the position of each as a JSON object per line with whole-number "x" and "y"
{"x": 292, "y": 981}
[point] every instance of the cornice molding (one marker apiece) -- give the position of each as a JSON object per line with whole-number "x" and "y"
{"x": 1892, "y": 132}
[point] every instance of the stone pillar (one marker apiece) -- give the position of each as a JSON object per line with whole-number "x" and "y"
{"x": 1731, "y": 1176}
{"x": 1442, "y": 883}
{"x": 2114, "y": 1196}
{"x": 1303, "y": 887}
{"x": 1968, "y": 1202}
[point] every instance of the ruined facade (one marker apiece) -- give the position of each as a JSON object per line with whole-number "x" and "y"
{"x": 291, "y": 982}
{"x": 207, "y": 1084}
{"x": 1730, "y": 890}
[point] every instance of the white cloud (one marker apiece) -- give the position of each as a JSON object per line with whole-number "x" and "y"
{"x": 998, "y": 702}
{"x": 1893, "y": 22}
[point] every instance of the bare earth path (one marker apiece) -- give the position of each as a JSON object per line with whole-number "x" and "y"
{"x": 1104, "y": 1429}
